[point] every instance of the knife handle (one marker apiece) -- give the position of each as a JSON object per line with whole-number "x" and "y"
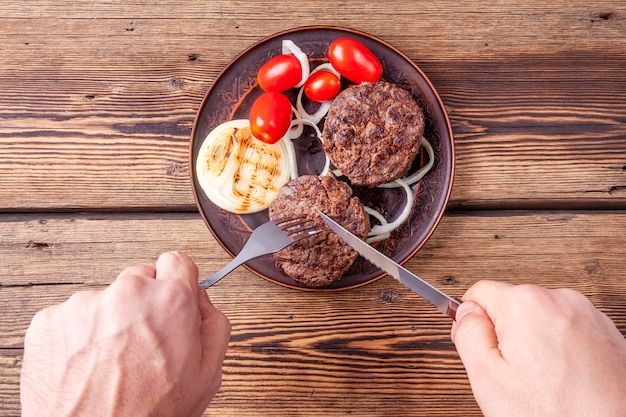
{"x": 452, "y": 306}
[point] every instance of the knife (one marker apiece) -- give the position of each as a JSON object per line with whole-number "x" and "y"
{"x": 444, "y": 303}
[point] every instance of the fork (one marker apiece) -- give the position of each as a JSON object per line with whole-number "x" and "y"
{"x": 268, "y": 238}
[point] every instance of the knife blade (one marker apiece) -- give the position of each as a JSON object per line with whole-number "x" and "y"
{"x": 444, "y": 303}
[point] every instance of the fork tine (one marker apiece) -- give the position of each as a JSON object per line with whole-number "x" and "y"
{"x": 293, "y": 221}
{"x": 298, "y": 228}
{"x": 267, "y": 238}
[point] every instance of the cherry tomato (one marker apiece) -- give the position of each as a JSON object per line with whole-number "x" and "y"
{"x": 270, "y": 117}
{"x": 322, "y": 86}
{"x": 280, "y": 73}
{"x": 354, "y": 60}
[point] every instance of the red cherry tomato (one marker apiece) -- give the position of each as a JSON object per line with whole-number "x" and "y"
{"x": 280, "y": 73}
{"x": 354, "y": 60}
{"x": 270, "y": 117}
{"x": 322, "y": 86}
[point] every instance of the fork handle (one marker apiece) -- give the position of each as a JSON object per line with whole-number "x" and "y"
{"x": 234, "y": 263}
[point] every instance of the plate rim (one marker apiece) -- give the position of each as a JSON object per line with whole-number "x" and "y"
{"x": 448, "y": 127}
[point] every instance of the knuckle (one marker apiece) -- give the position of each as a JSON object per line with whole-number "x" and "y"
{"x": 136, "y": 271}
{"x": 175, "y": 296}
{"x": 223, "y": 322}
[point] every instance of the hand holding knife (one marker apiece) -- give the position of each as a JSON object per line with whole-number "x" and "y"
{"x": 444, "y": 303}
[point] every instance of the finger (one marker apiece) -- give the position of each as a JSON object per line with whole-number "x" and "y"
{"x": 138, "y": 271}
{"x": 214, "y": 322}
{"x": 488, "y": 294}
{"x": 130, "y": 281}
{"x": 476, "y": 318}
{"x": 486, "y": 291}
{"x": 215, "y": 335}
{"x": 468, "y": 307}
{"x": 177, "y": 266}
{"x": 204, "y": 303}
{"x": 476, "y": 341}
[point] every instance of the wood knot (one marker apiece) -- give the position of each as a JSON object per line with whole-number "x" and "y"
{"x": 38, "y": 245}
{"x": 388, "y": 296}
{"x": 192, "y": 57}
{"x": 449, "y": 280}
{"x": 593, "y": 270}
{"x": 177, "y": 83}
{"x": 607, "y": 16}
{"x": 172, "y": 168}
{"x": 617, "y": 188}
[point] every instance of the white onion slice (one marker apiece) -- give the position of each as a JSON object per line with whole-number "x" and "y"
{"x": 376, "y": 214}
{"x": 307, "y": 122}
{"x": 296, "y": 129}
{"x": 328, "y": 67}
{"x": 387, "y": 228}
{"x": 301, "y": 122}
{"x": 382, "y": 220}
{"x": 378, "y": 237}
{"x": 324, "y": 106}
{"x": 382, "y": 231}
{"x": 291, "y": 48}
{"x": 319, "y": 113}
{"x": 291, "y": 156}
{"x": 420, "y": 173}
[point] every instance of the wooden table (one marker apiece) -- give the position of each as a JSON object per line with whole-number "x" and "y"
{"x": 97, "y": 102}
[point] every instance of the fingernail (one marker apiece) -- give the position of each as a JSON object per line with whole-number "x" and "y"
{"x": 464, "y": 309}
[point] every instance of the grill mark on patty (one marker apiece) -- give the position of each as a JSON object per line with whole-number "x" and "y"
{"x": 372, "y": 132}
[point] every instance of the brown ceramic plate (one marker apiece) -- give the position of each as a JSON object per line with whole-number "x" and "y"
{"x": 230, "y": 97}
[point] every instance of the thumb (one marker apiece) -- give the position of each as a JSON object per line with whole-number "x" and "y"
{"x": 475, "y": 338}
{"x": 214, "y": 332}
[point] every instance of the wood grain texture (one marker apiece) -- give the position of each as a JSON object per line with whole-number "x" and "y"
{"x": 97, "y": 103}
{"x": 377, "y": 347}
{"x": 536, "y": 94}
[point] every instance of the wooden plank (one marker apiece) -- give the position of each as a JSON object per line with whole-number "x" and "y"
{"x": 519, "y": 148}
{"x": 437, "y": 29}
{"x": 48, "y": 260}
{"x": 538, "y": 112}
{"x": 578, "y": 249}
{"x": 378, "y": 347}
{"x": 58, "y": 248}
{"x": 10, "y": 365}
{"x": 396, "y": 359}
{"x": 96, "y": 108}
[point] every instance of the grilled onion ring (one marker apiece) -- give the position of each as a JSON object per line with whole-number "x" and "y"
{"x": 239, "y": 173}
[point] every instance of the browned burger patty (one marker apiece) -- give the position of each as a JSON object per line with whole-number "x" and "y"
{"x": 323, "y": 258}
{"x": 372, "y": 132}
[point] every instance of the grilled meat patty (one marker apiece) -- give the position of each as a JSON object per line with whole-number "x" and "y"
{"x": 323, "y": 258}
{"x": 372, "y": 132}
